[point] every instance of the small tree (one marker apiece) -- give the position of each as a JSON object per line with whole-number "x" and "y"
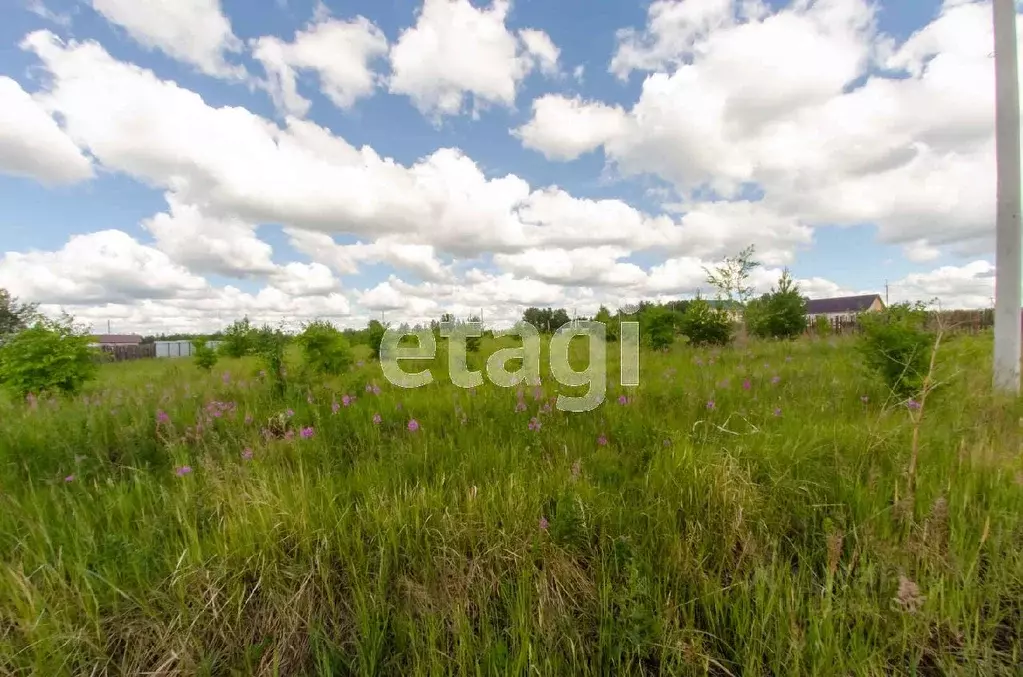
{"x": 15, "y": 316}
{"x": 896, "y": 344}
{"x": 821, "y": 326}
{"x": 325, "y": 348}
{"x": 239, "y": 339}
{"x": 704, "y": 325}
{"x": 472, "y": 343}
{"x": 205, "y": 356}
{"x": 660, "y": 327}
{"x": 270, "y": 346}
{"x": 376, "y": 337}
{"x": 780, "y": 314}
{"x": 47, "y": 357}
{"x": 731, "y": 278}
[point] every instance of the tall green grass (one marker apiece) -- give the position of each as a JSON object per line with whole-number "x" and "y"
{"x": 772, "y": 533}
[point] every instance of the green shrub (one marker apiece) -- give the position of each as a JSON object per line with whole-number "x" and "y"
{"x": 205, "y": 356}
{"x": 376, "y": 337}
{"x": 659, "y": 328}
{"x": 48, "y": 356}
{"x": 270, "y": 345}
{"x": 325, "y": 349}
{"x": 821, "y": 326}
{"x": 704, "y": 325}
{"x": 239, "y": 339}
{"x": 896, "y": 345}
{"x": 780, "y": 314}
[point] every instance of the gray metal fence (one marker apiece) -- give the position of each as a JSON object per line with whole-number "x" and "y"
{"x": 179, "y": 348}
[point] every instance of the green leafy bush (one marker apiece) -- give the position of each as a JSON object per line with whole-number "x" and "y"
{"x": 896, "y": 345}
{"x": 205, "y": 356}
{"x": 376, "y": 337}
{"x": 821, "y": 326}
{"x": 705, "y": 325}
{"x": 780, "y": 314}
{"x": 239, "y": 339}
{"x": 325, "y": 349}
{"x": 47, "y": 357}
{"x": 270, "y": 346}
{"x": 659, "y": 327}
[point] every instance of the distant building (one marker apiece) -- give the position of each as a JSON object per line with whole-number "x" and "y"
{"x": 843, "y": 307}
{"x": 114, "y": 340}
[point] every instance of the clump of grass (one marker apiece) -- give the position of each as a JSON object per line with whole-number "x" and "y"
{"x": 768, "y": 534}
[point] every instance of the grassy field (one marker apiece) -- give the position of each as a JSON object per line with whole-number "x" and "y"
{"x": 745, "y": 511}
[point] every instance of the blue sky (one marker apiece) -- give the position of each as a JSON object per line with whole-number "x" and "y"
{"x": 842, "y": 235}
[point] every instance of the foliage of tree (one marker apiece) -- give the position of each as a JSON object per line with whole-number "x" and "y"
{"x": 659, "y": 326}
{"x": 611, "y": 323}
{"x": 239, "y": 339}
{"x": 705, "y": 325}
{"x": 780, "y": 314}
{"x": 821, "y": 326}
{"x": 205, "y": 356}
{"x": 731, "y": 278}
{"x": 376, "y": 337}
{"x": 49, "y": 356}
{"x": 325, "y": 349}
{"x": 472, "y": 343}
{"x": 896, "y": 345}
{"x": 15, "y": 316}
{"x": 546, "y": 320}
{"x": 271, "y": 343}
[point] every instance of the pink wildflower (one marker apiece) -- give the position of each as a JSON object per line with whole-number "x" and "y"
{"x": 346, "y": 400}
{"x": 544, "y": 524}
{"x": 162, "y": 417}
{"x": 602, "y": 440}
{"x": 247, "y": 454}
{"x": 413, "y": 425}
{"x": 334, "y": 407}
{"x": 623, "y": 400}
{"x": 710, "y": 404}
{"x": 307, "y": 432}
{"x": 69, "y": 478}
{"x": 183, "y": 470}
{"x": 377, "y": 419}
{"x": 534, "y": 424}
{"x": 521, "y": 406}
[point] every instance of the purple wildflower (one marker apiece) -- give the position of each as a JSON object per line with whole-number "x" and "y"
{"x": 69, "y": 478}
{"x": 623, "y": 400}
{"x": 346, "y": 400}
{"x": 334, "y": 407}
{"x": 290, "y": 435}
{"x": 602, "y": 440}
{"x": 307, "y": 432}
{"x": 521, "y": 406}
{"x": 544, "y": 524}
{"x": 777, "y": 411}
{"x": 289, "y": 413}
{"x": 776, "y": 380}
{"x": 162, "y": 417}
{"x": 377, "y": 419}
{"x": 537, "y": 393}
{"x": 376, "y": 389}
{"x": 248, "y": 419}
{"x": 913, "y": 404}
{"x": 183, "y": 470}
{"x": 247, "y": 454}
{"x": 746, "y": 385}
{"x": 413, "y": 425}
{"x": 534, "y": 423}
{"x": 667, "y": 443}
{"x": 369, "y": 388}
{"x": 226, "y": 377}
{"x": 710, "y": 404}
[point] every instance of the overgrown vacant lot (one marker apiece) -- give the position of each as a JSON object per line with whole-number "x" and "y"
{"x": 747, "y": 511}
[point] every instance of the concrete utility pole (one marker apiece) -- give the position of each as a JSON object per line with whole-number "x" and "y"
{"x": 1008, "y": 255}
